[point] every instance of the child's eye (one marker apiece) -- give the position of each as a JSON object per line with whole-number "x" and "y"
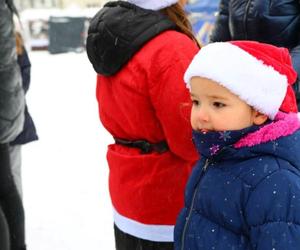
{"x": 219, "y": 104}
{"x": 195, "y": 102}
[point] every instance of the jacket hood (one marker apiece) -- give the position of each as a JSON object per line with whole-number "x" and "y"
{"x": 118, "y": 31}
{"x": 279, "y": 138}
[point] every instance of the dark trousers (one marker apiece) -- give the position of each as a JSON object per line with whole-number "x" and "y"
{"x": 10, "y": 202}
{"x": 4, "y": 235}
{"x": 125, "y": 241}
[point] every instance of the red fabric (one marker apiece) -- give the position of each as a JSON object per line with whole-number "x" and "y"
{"x": 289, "y": 103}
{"x": 280, "y": 60}
{"x": 146, "y": 100}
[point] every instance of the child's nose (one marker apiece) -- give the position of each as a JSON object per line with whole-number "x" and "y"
{"x": 202, "y": 115}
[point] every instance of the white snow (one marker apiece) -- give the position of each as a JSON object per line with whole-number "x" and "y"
{"x": 65, "y": 174}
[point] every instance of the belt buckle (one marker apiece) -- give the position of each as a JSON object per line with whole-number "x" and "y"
{"x": 144, "y": 146}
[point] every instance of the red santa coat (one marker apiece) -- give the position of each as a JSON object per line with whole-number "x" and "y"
{"x": 147, "y": 99}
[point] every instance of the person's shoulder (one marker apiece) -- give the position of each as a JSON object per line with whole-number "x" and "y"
{"x": 263, "y": 172}
{"x": 275, "y": 198}
{"x": 168, "y": 48}
{"x": 256, "y": 170}
{"x": 173, "y": 40}
{"x": 173, "y": 34}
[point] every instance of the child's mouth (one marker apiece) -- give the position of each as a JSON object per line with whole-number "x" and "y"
{"x": 204, "y": 130}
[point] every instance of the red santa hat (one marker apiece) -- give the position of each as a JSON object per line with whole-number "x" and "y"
{"x": 260, "y": 74}
{"x": 153, "y": 4}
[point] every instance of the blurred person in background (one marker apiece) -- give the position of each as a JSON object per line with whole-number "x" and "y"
{"x": 276, "y": 22}
{"x": 140, "y": 50}
{"x": 11, "y": 124}
{"x": 28, "y": 134}
{"x": 4, "y": 235}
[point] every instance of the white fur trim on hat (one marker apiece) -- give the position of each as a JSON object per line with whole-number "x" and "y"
{"x": 256, "y": 83}
{"x": 153, "y": 4}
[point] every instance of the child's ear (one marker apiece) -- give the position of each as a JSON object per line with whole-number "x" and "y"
{"x": 259, "y": 118}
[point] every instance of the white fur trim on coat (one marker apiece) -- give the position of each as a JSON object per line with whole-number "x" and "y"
{"x": 153, "y": 4}
{"x": 158, "y": 233}
{"x": 233, "y": 68}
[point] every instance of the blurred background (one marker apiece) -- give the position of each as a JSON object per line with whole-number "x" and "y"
{"x": 61, "y": 25}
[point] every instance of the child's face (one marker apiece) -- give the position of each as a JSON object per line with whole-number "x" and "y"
{"x": 217, "y": 109}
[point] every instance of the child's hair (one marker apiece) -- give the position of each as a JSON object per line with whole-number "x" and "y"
{"x": 177, "y": 15}
{"x": 260, "y": 74}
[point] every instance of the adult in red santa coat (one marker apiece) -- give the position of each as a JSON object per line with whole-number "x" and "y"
{"x": 140, "y": 50}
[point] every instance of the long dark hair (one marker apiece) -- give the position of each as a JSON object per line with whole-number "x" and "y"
{"x": 177, "y": 14}
{"x": 19, "y": 43}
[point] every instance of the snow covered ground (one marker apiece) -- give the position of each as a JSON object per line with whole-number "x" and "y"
{"x": 65, "y": 174}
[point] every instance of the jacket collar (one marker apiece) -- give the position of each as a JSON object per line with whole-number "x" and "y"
{"x": 211, "y": 143}
{"x": 271, "y": 138}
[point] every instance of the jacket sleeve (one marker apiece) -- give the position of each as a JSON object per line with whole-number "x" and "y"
{"x": 11, "y": 92}
{"x": 273, "y": 212}
{"x": 295, "y": 54}
{"x": 220, "y": 31}
{"x": 171, "y": 99}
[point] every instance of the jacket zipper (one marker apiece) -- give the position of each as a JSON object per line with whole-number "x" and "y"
{"x": 245, "y": 19}
{"x": 192, "y": 204}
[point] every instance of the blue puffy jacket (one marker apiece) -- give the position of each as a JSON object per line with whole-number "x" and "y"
{"x": 270, "y": 21}
{"x": 244, "y": 197}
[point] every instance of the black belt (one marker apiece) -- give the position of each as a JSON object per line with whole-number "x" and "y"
{"x": 145, "y": 146}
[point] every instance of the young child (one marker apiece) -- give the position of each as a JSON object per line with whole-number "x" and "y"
{"x": 244, "y": 192}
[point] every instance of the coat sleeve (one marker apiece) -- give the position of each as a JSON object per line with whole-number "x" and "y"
{"x": 273, "y": 212}
{"x": 171, "y": 99}
{"x": 11, "y": 92}
{"x": 295, "y": 54}
{"x": 220, "y": 31}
